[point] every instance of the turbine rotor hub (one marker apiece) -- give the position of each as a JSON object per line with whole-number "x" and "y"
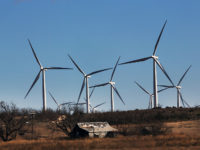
{"x": 154, "y": 57}
{"x": 178, "y": 87}
{"x": 112, "y": 83}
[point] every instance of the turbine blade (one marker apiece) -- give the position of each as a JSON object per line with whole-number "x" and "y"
{"x": 92, "y": 92}
{"x": 65, "y": 103}
{"x": 184, "y": 100}
{"x": 81, "y": 103}
{"x": 118, "y": 94}
{"x": 98, "y": 85}
{"x": 53, "y": 98}
{"x": 186, "y": 103}
{"x": 184, "y": 75}
{"x": 82, "y": 87}
{"x": 137, "y": 60}
{"x": 163, "y": 89}
{"x": 114, "y": 69}
{"x": 34, "y": 53}
{"x": 166, "y": 86}
{"x": 163, "y": 70}
{"x": 149, "y": 107}
{"x": 36, "y": 79}
{"x": 78, "y": 104}
{"x": 56, "y": 68}
{"x": 76, "y": 65}
{"x": 99, "y": 105}
{"x": 142, "y": 88}
{"x": 73, "y": 103}
{"x": 98, "y": 71}
{"x": 155, "y": 48}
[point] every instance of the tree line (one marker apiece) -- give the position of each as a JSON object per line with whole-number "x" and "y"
{"x": 15, "y": 121}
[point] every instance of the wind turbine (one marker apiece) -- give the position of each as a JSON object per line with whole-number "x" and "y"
{"x": 155, "y": 61}
{"x": 112, "y": 87}
{"x": 150, "y": 95}
{"x": 85, "y": 82}
{"x": 93, "y": 108}
{"x": 89, "y": 97}
{"x": 178, "y": 88}
{"x": 59, "y": 105}
{"x": 42, "y": 70}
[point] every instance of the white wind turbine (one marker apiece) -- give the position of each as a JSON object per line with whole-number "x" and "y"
{"x": 178, "y": 88}
{"x": 85, "y": 82}
{"x": 155, "y": 61}
{"x": 42, "y": 70}
{"x": 59, "y": 106}
{"x": 93, "y": 109}
{"x": 112, "y": 87}
{"x": 150, "y": 95}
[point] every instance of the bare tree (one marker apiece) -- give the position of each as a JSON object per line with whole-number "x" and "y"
{"x": 11, "y": 121}
{"x": 68, "y": 121}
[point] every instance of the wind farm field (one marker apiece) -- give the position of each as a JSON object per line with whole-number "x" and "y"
{"x": 184, "y": 135}
{"x": 181, "y": 132}
{"x": 99, "y": 75}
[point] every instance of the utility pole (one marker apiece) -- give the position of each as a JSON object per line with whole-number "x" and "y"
{"x": 32, "y": 123}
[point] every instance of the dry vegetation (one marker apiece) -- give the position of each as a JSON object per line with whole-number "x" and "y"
{"x": 183, "y": 135}
{"x": 168, "y": 128}
{"x": 120, "y": 142}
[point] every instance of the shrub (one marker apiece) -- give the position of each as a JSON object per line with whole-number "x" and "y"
{"x": 11, "y": 121}
{"x": 68, "y": 121}
{"x": 157, "y": 128}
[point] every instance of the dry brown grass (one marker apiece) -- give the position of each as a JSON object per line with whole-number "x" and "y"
{"x": 185, "y": 135}
{"x": 185, "y": 127}
{"x": 120, "y": 142}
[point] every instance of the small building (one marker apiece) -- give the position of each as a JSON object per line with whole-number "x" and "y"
{"x": 93, "y": 129}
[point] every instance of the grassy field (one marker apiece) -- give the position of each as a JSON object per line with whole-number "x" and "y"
{"x": 183, "y": 135}
{"x": 125, "y": 143}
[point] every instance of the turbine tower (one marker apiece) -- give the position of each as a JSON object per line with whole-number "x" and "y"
{"x": 150, "y": 95}
{"x": 93, "y": 109}
{"x": 85, "y": 82}
{"x": 178, "y": 88}
{"x": 155, "y": 61}
{"x": 42, "y": 70}
{"x": 112, "y": 87}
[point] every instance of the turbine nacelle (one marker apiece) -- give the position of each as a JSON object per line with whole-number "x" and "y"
{"x": 155, "y": 57}
{"x": 113, "y": 88}
{"x": 43, "y": 69}
{"x": 178, "y": 87}
{"x": 88, "y": 76}
{"x": 85, "y": 82}
{"x": 155, "y": 61}
{"x": 112, "y": 83}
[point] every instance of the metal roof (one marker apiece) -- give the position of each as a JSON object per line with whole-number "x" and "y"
{"x": 96, "y": 126}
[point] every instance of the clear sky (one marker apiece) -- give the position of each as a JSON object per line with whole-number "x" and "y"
{"x": 95, "y": 33}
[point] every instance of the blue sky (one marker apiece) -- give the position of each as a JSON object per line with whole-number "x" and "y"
{"x": 95, "y": 33}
